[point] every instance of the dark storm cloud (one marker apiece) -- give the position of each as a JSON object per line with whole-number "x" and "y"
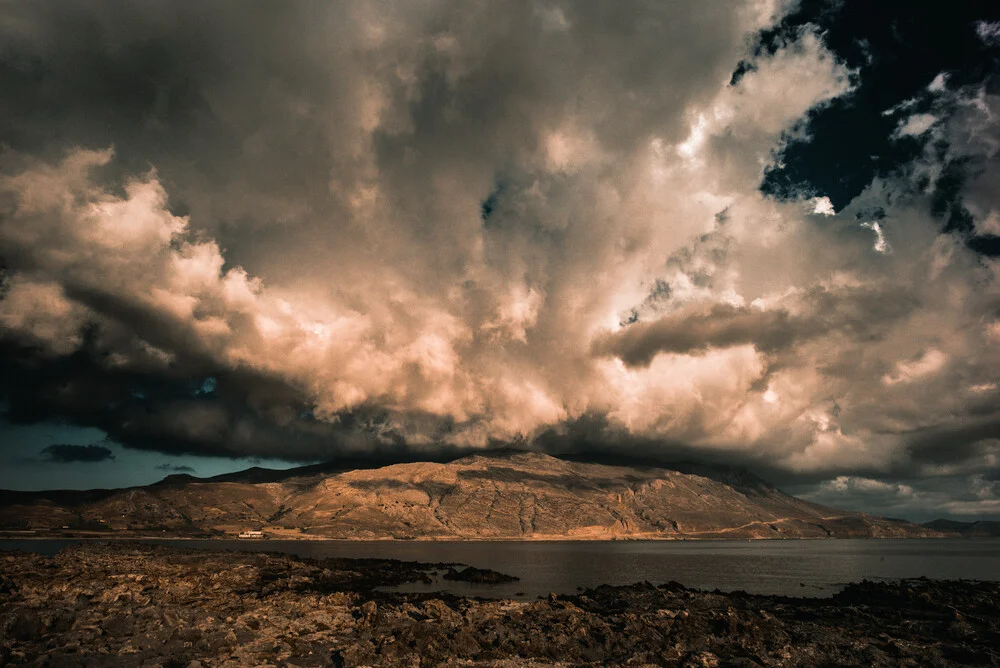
{"x": 402, "y": 230}
{"x": 146, "y": 410}
{"x": 685, "y": 332}
{"x": 66, "y": 454}
{"x": 858, "y": 313}
{"x": 245, "y": 415}
{"x": 957, "y": 444}
{"x": 142, "y": 79}
{"x": 175, "y": 468}
{"x": 267, "y": 127}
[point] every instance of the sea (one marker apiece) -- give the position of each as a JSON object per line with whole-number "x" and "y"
{"x": 811, "y": 568}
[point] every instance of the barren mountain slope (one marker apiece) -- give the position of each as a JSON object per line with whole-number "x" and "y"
{"x": 508, "y": 495}
{"x": 530, "y": 495}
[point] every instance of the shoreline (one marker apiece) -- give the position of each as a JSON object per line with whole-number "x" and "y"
{"x": 459, "y": 539}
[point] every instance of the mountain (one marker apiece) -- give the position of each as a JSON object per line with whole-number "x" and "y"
{"x": 501, "y": 495}
{"x": 980, "y": 529}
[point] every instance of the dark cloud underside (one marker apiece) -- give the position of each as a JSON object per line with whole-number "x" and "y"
{"x": 66, "y": 454}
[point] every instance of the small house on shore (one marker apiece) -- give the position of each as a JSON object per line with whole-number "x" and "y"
{"x": 252, "y": 534}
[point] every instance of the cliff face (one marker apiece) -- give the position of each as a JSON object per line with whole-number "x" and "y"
{"x": 515, "y": 496}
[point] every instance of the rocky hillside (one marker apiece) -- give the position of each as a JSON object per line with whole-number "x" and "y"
{"x": 512, "y": 495}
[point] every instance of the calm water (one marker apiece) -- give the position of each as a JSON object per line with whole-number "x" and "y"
{"x": 796, "y": 568}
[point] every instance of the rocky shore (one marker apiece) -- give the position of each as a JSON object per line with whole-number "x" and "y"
{"x": 137, "y": 605}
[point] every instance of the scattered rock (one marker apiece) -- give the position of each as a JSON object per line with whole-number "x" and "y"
{"x": 138, "y": 605}
{"x": 21, "y": 624}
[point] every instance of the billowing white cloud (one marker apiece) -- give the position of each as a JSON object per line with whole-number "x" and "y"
{"x": 440, "y": 217}
{"x": 916, "y": 125}
{"x": 881, "y": 245}
{"x": 823, "y": 206}
{"x": 988, "y": 31}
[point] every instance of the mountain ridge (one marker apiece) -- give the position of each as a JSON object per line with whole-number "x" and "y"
{"x": 487, "y": 495}
{"x": 973, "y": 529}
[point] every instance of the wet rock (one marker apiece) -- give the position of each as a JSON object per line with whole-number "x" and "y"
{"x": 437, "y": 609}
{"x": 368, "y": 611}
{"x": 21, "y": 624}
{"x": 135, "y": 605}
{"x": 701, "y": 660}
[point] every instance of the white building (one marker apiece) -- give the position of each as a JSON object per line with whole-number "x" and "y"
{"x": 251, "y": 533}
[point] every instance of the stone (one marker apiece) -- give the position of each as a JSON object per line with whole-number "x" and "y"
{"x": 273, "y": 609}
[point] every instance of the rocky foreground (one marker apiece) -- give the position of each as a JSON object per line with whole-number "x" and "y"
{"x": 138, "y": 605}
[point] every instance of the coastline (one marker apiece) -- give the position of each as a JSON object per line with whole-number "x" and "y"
{"x": 116, "y": 536}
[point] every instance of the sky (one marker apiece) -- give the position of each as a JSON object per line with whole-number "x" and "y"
{"x": 762, "y": 233}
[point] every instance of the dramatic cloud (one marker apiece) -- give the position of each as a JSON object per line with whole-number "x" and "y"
{"x": 324, "y": 230}
{"x": 64, "y": 454}
{"x": 175, "y": 468}
{"x": 963, "y": 497}
{"x": 685, "y": 330}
